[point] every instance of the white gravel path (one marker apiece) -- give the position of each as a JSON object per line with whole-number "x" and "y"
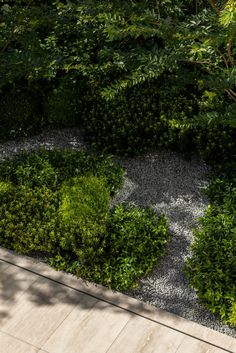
{"x": 171, "y": 185}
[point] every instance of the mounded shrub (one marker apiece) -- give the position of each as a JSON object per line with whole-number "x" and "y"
{"x": 83, "y": 214}
{"x": 135, "y": 241}
{"x": 64, "y": 105}
{"x": 52, "y": 167}
{"x": 28, "y": 220}
{"x": 216, "y": 142}
{"x": 129, "y": 124}
{"x": 212, "y": 267}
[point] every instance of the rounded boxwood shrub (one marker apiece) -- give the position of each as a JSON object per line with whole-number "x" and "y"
{"x": 216, "y": 142}
{"x": 127, "y": 124}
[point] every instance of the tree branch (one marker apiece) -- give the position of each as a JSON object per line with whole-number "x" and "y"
{"x": 231, "y": 94}
{"x": 229, "y": 51}
{"x": 214, "y": 6}
{"x": 223, "y": 57}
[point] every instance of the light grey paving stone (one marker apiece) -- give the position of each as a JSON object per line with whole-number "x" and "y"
{"x": 190, "y": 345}
{"x": 232, "y": 345}
{"x": 124, "y": 301}
{"x": 90, "y": 333}
{"x": 42, "y": 309}
{"x": 14, "y": 282}
{"x": 141, "y": 335}
{"x": 10, "y": 344}
{"x": 3, "y": 266}
{"x": 211, "y": 336}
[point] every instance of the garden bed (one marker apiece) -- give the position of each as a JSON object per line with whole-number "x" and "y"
{"x": 171, "y": 185}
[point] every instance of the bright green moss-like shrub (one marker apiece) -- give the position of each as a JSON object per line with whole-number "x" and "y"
{"x": 83, "y": 213}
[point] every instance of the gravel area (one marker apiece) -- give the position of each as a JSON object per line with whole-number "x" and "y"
{"x": 65, "y": 138}
{"x": 171, "y": 185}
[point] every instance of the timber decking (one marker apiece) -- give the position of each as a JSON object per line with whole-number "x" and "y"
{"x": 44, "y": 311}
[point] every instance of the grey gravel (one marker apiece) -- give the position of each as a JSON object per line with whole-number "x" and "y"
{"x": 173, "y": 186}
{"x": 65, "y": 138}
{"x": 170, "y": 184}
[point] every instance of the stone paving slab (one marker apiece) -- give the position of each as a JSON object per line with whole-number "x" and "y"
{"x": 46, "y": 311}
{"x": 10, "y": 344}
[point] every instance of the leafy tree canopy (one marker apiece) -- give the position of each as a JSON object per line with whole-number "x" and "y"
{"x": 114, "y": 45}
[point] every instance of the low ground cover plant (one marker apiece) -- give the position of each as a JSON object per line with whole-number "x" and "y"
{"x": 56, "y": 205}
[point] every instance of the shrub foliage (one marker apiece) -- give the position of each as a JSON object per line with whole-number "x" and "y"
{"x": 135, "y": 74}
{"x": 212, "y": 266}
{"x": 56, "y": 204}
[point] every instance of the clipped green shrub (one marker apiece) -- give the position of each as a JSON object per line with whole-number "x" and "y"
{"x": 216, "y": 142}
{"x": 128, "y": 124}
{"x": 211, "y": 269}
{"x": 83, "y": 214}
{"x": 56, "y": 204}
{"x": 28, "y": 220}
{"x": 135, "y": 241}
{"x": 52, "y": 167}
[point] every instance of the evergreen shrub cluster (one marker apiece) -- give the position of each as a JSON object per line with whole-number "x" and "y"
{"x": 56, "y": 205}
{"x": 212, "y": 266}
{"x": 130, "y": 73}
